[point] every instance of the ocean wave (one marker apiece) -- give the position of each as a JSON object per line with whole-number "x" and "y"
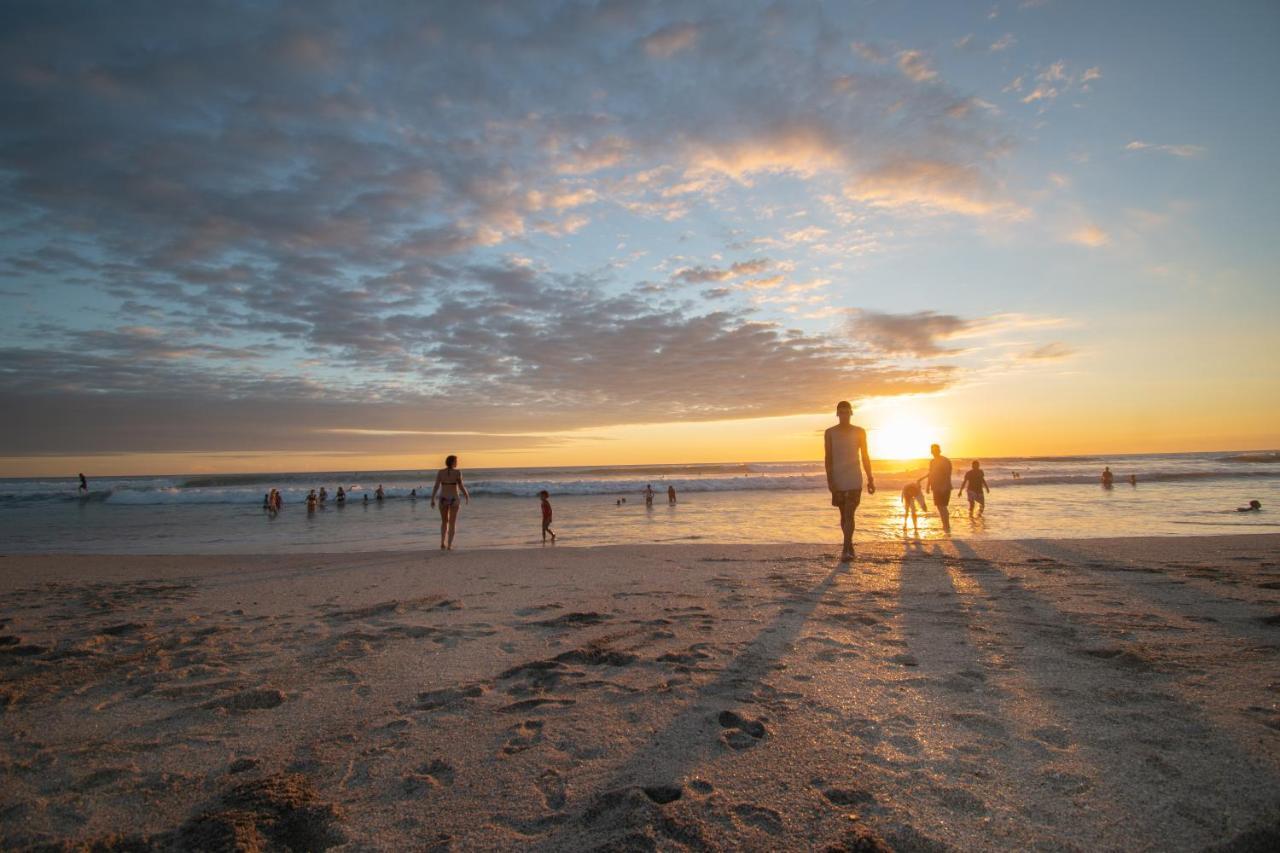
{"x": 178, "y": 491}
{"x": 1251, "y": 457}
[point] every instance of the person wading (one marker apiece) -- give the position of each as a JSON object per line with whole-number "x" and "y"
{"x": 846, "y": 446}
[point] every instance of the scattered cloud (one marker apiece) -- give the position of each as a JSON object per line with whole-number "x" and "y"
{"x": 920, "y": 334}
{"x": 915, "y": 66}
{"x": 1003, "y": 43}
{"x": 1090, "y": 235}
{"x": 1174, "y": 150}
{"x": 1053, "y": 351}
{"x": 671, "y": 39}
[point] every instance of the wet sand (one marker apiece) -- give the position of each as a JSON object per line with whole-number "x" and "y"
{"x": 1057, "y": 694}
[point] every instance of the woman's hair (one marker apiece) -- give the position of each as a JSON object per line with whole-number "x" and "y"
{"x": 450, "y": 461}
{"x": 544, "y": 494}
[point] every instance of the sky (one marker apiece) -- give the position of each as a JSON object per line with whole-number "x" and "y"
{"x": 335, "y": 236}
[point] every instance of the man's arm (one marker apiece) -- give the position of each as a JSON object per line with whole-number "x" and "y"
{"x": 866, "y": 462}
{"x": 826, "y": 461}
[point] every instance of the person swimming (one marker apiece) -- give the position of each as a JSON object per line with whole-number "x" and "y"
{"x": 324, "y": 495}
{"x": 1254, "y": 506}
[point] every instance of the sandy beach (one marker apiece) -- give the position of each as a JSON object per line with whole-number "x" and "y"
{"x": 1118, "y": 694}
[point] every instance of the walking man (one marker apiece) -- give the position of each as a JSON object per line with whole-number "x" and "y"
{"x": 940, "y": 485}
{"x": 846, "y": 446}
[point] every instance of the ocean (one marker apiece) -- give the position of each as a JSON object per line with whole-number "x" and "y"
{"x": 765, "y": 502}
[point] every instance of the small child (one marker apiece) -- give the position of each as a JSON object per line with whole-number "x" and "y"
{"x": 546, "y": 516}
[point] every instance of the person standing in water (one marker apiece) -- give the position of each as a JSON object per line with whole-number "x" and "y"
{"x": 974, "y": 483}
{"x": 846, "y": 446}
{"x": 912, "y": 495}
{"x": 84, "y": 485}
{"x": 545, "y": 497}
{"x": 648, "y": 494}
{"x": 1107, "y": 477}
{"x": 671, "y": 494}
{"x": 449, "y": 485}
{"x": 939, "y": 485}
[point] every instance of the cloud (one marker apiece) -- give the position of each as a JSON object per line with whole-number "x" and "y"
{"x": 931, "y": 185}
{"x": 1005, "y": 42}
{"x": 1174, "y": 150}
{"x": 671, "y": 39}
{"x": 281, "y": 203}
{"x": 702, "y": 275}
{"x": 1052, "y": 351}
{"x": 920, "y": 334}
{"x": 915, "y": 66}
{"x": 1090, "y": 235}
{"x": 870, "y": 52}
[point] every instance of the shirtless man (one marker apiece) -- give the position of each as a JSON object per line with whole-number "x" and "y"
{"x": 846, "y": 445}
{"x": 448, "y": 485}
{"x": 940, "y": 485}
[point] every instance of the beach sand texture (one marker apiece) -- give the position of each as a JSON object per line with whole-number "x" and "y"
{"x": 1090, "y": 694}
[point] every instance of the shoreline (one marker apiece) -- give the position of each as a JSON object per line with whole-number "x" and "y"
{"x": 998, "y": 694}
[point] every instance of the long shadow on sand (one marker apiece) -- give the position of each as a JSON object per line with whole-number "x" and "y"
{"x": 1156, "y": 758}
{"x": 665, "y": 758}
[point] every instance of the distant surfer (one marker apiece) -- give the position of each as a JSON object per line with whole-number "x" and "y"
{"x": 845, "y": 446}
{"x": 1254, "y": 506}
{"x": 975, "y": 481}
{"x": 84, "y": 485}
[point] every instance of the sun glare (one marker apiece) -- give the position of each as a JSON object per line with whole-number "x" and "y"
{"x": 902, "y": 429}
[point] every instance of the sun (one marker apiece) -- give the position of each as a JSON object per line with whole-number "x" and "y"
{"x": 901, "y": 429}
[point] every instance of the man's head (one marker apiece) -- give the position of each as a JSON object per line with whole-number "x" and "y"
{"x": 975, "y": 464}
{"x": 844, "y": 411}
{"x": 935, "y": 450}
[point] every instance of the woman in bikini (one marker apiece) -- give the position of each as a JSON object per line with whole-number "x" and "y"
{"x": 448, "y": 484}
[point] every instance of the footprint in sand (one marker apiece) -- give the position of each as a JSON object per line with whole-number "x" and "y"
{"x": 427, "y": 777}
{"x": 524, "y": 735}
{"x": 741, "y": 732}
{"x": 553, "y": 789}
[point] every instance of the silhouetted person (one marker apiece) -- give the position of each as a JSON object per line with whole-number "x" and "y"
{"x": 1254, "y": 506}
{"x": 671, "y": 494}
{"x": 973, "y": 484}
{"x": 911, "y": 495}
{"x": 1133, "y": 479}
{"x": 341, "y": 497}
{"x": 84, "y": 485}
{"x": 449, "y": 485}
{"x": 545, "y": 498}
{"x": 940, "y": 485}
{"x": 1107, "y": 477}
{"x": 845, "y": 445}
{"x": 324, "y": 495}
{"x": 378, "y": 493}
{"x": 648, "y": 494}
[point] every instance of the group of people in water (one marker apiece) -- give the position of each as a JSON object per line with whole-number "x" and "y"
{"x": 848, "y": 471}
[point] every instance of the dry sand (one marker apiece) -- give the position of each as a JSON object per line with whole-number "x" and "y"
{"x": 1094, "y": 694}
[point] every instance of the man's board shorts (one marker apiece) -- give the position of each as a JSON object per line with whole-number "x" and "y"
{"x": 977, "y": 497}
{"x": 942, "y": 497}
{"x": 849, "y": 497}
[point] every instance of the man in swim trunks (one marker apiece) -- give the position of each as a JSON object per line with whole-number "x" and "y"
{"x": 974, "y": 482}
{"x": 845, "y": 447}
{"x": 939, "y": 484}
